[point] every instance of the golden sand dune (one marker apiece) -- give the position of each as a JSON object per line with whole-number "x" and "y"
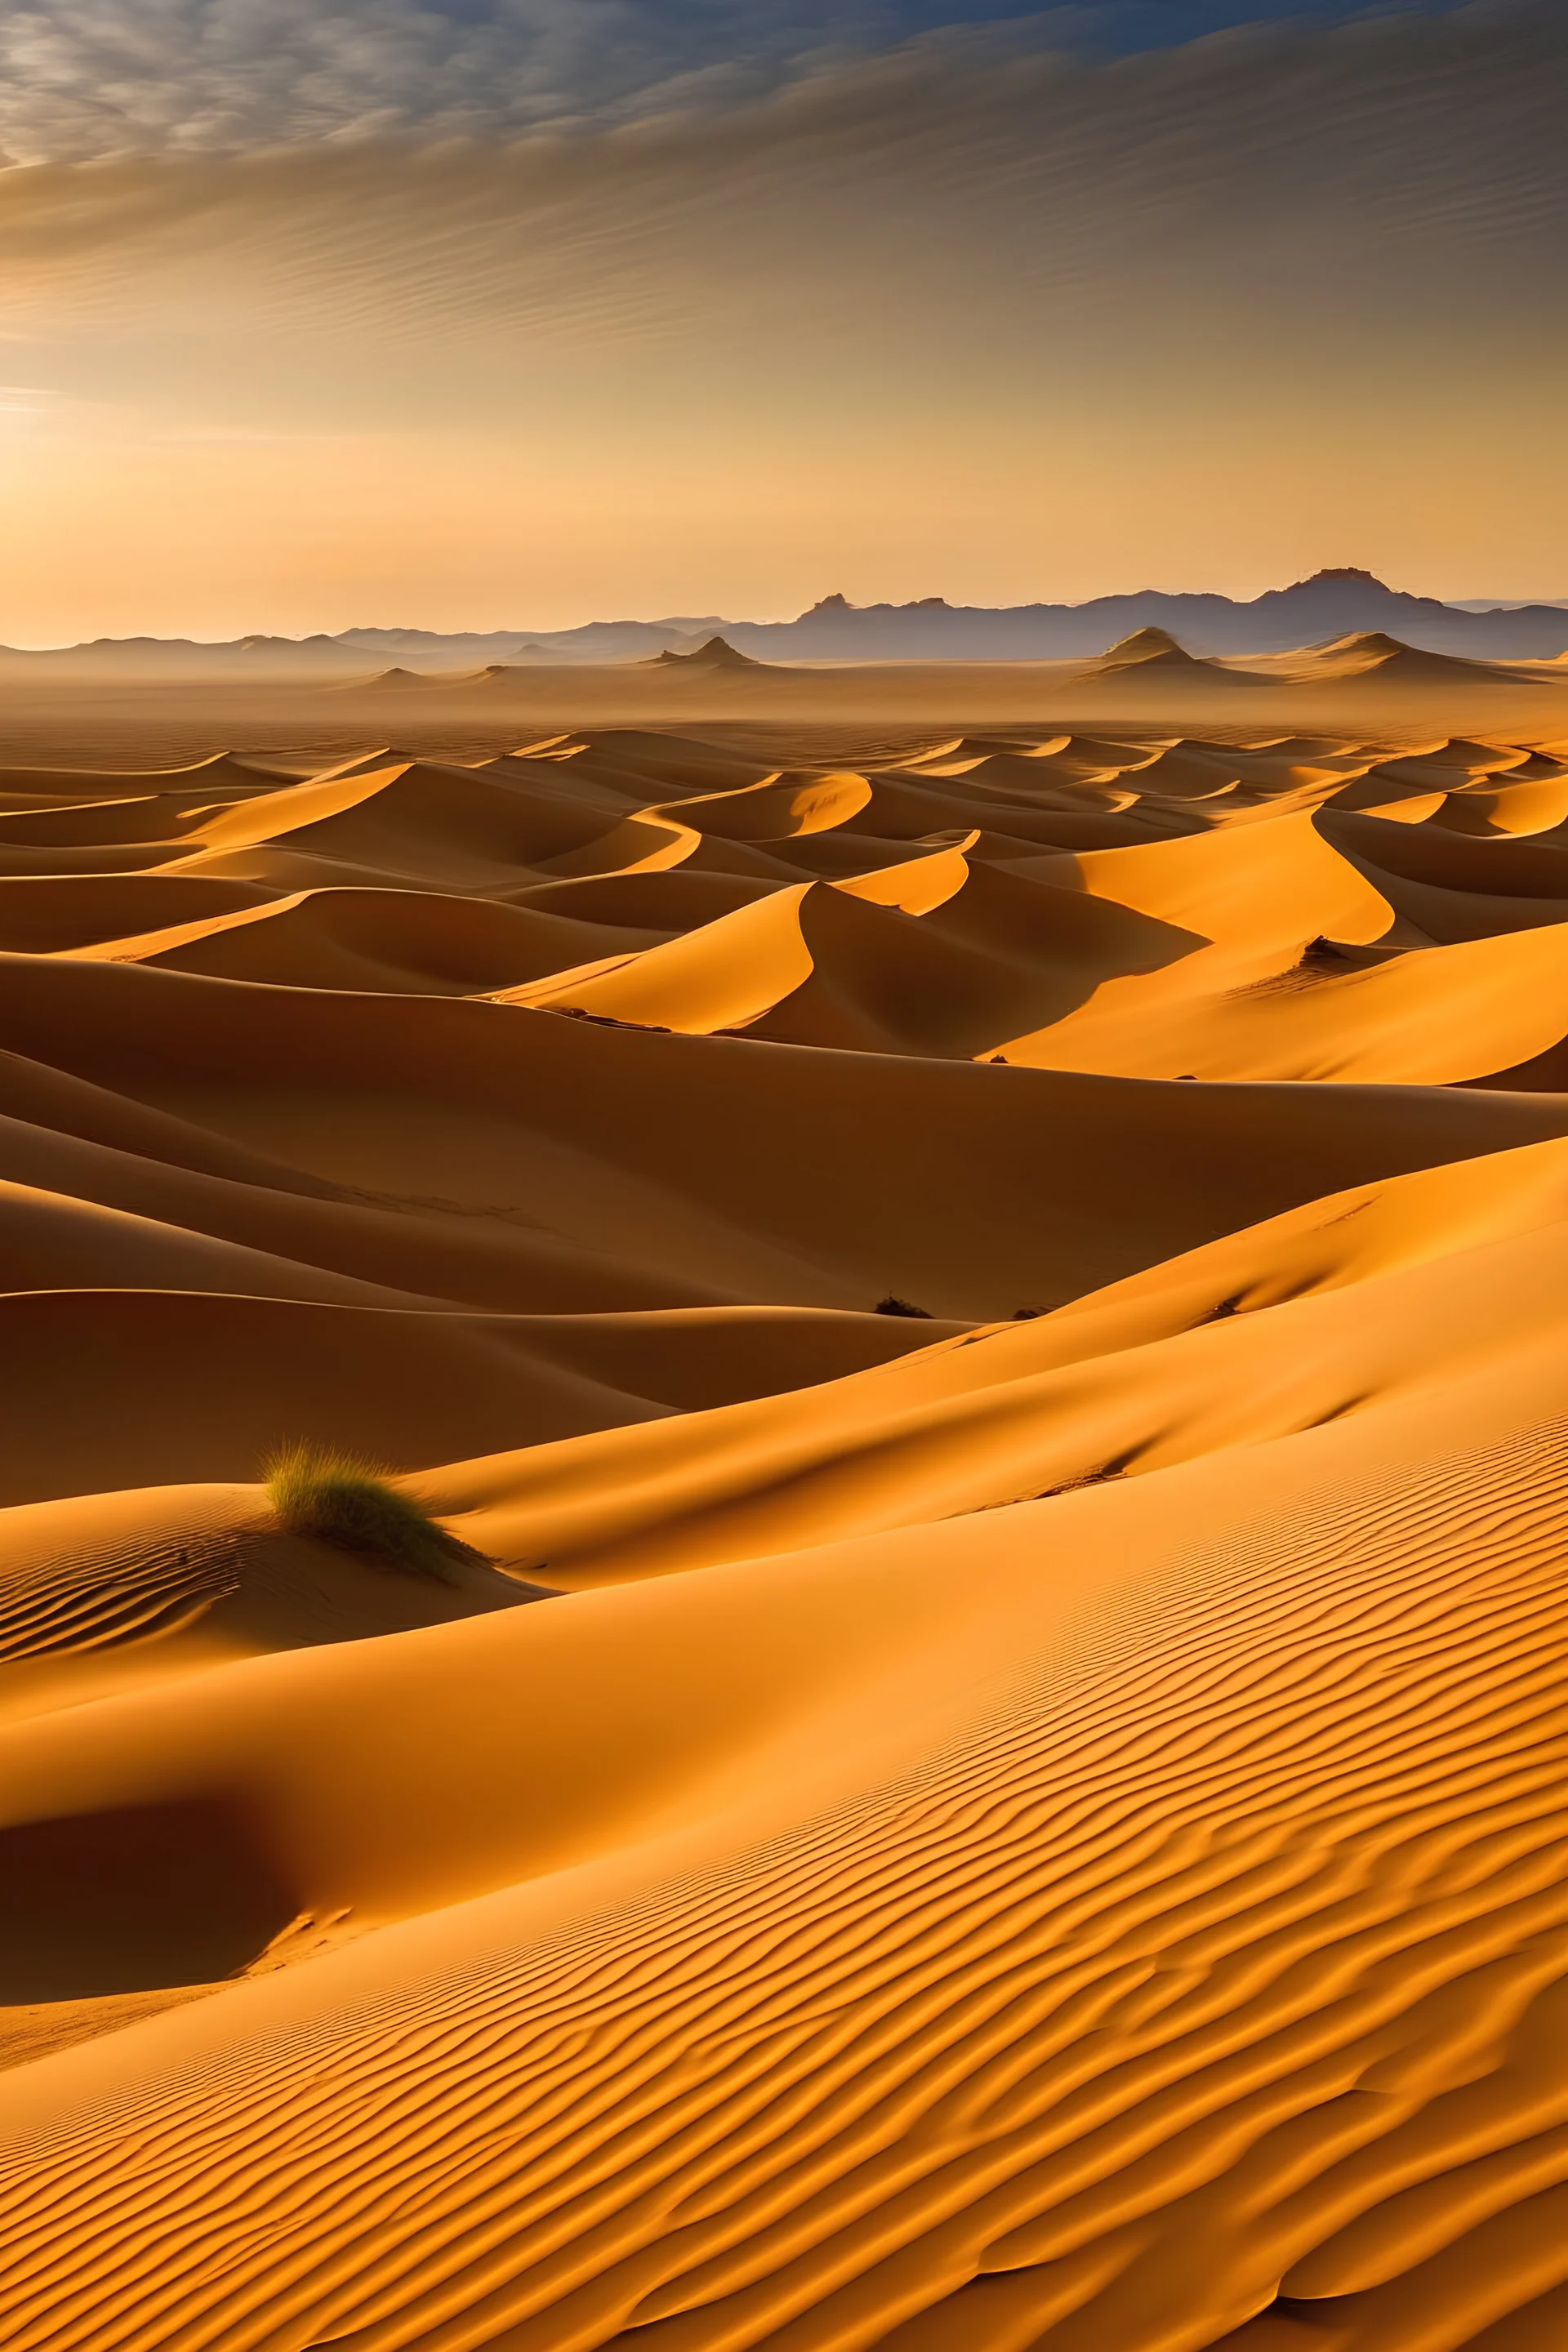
{"x": 62, "y": 787}
{"x": 1176, "y": 1941}
{"x": 834, "y": 965}
{"x": 407, "y": 1387}
{"x": 1120, "y": 1384}
{"x": 1031, "y": 1820}
{"x": 1368, "y": 653}
{"x": 388, "y": 941}
{"x": 95, "y": 1595}
{"x": 46, "y": 913}
{"x": 1156, "y": 651}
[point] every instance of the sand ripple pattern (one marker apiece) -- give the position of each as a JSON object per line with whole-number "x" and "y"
{"x": 1218, "y": 1982}
{"x": 89, "y": 1599}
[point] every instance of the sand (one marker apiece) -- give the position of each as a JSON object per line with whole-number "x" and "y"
{"x": 1036, "y": 1820}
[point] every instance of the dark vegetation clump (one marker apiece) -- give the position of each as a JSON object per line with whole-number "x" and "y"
{"x": 892, "y": 1306}
{"x": 609, "y": 1019}
{"x": 1102, "y": 1476}
{"x": 1027, "y": 1314}
{"x": 337, "y": 1499}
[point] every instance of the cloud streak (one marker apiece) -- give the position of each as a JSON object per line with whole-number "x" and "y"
{"x": 85, "y": 78}
{"x": 94, "y": 77}
{"x": 1411, "y": 162}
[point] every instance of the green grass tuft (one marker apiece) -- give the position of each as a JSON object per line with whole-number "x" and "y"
{"x": 315, "y": 1490}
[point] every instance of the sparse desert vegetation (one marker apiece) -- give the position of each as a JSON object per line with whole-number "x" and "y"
{"x": 340, "y": 1499}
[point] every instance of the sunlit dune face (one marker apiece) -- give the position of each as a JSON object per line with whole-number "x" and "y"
{"x": 786, "y": 1486}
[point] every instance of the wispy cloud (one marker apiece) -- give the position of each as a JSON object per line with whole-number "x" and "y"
{"x": 93, "y": 77}
{"x": 84, "y": 79}
{"x": 1280, "y": 172}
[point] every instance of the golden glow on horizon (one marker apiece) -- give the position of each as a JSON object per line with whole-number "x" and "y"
{"x": 136, "y": 533}
{"x": 993, "y": 333}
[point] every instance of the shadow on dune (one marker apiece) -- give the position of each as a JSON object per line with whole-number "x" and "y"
{"x": 131, "y": 1899}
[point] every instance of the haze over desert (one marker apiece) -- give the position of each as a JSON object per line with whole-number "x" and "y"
{"x": 783, "y": 1177}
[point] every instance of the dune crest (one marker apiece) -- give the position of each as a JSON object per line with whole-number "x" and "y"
{"x": 972, "y": 1314}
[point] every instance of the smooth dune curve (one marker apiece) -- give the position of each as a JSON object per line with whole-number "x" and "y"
{"x": 979, "y": 1762}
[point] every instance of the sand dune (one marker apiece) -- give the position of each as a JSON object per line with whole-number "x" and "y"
{"x": 121, "y": 1589}
{"x": 225, "y": 771}
{"x": 713, "y": 653}
{"x": 1154, "y": 652}
{"x": 1028, "y": 1820}
{"x": 1366, "y": 652}
{"x": 404, "y": 1387}
{"x": 703, "y": 1164}
{"x": 1080, "y": 2027}
{"x": 1122, "y": 1383}
{"x": 837, "y": 713}
{"x": 42, "y": 913}
{"x": 386, "y": 940}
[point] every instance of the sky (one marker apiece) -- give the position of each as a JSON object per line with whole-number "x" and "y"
{"x": 514, "y": 313}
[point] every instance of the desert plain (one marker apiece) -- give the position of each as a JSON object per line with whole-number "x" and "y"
{"x": 978, "y": 1255}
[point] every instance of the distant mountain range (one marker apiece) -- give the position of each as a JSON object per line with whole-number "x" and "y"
{"x": 1329, "y": 604}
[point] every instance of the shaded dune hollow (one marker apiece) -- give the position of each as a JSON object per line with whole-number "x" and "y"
{"x": 783, "y": 1558}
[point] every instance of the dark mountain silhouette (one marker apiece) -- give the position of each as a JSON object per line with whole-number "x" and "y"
{"x": 1331, "y": 605}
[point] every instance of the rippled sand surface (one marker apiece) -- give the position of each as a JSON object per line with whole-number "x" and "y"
{"x": 992, "y": 1305}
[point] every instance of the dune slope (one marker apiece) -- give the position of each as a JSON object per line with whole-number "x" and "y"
{"x": 988, "y": 1770}
{"x": 1155, "y": 2001}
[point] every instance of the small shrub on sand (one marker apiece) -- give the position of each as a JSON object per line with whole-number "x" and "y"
{"x": 314, "y": 1490}
{"x": 892, "y": 1306}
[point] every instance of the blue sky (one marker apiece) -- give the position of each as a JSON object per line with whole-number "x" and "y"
{"x": 1122, "y": 28}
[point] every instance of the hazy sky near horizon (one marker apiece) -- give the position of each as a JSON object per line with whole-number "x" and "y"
{"x": 515, "y": 312}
